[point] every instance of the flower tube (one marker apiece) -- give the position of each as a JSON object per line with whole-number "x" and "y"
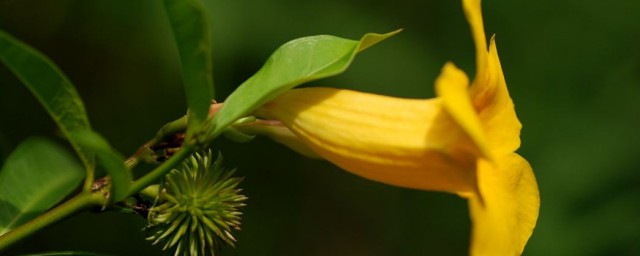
{"x": 463, "y": 142}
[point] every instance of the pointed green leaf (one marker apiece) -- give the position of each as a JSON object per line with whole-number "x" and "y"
{"x": 111, "y": 160}
{"x": 193, "y": 38}
{"x": 35, "y": 177}
{"x": 294, "y": 63}
{"x": 52, "y": 88}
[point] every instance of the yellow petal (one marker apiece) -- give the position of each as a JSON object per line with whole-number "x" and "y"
{"x": 495, "y": 108}
{"x": 506, "y": 212}
{"x": 473, "y": 13}
{"x": 451, "y": 88}
{"x": 403, "y": 142}
{"x": 489, "y": 89}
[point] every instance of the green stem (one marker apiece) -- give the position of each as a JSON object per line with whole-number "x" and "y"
{"x": 80, "y": 202}
{"x": 87, "y": 199}
{"x": 134, "y": 159}
{"x": 171, "y": 128}
{"x": 88, "y": 181}
{"x": 161, "y": 170}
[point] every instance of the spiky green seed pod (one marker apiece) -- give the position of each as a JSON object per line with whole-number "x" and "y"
{"x": 197, "y": 207}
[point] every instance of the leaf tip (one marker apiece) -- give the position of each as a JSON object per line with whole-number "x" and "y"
{"x": 370, "y": 39}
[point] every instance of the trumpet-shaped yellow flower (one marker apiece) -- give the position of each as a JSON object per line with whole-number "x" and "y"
{"x": 462, "y": 142}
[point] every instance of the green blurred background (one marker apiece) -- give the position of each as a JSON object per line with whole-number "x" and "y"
{"x": 573, "y": 70}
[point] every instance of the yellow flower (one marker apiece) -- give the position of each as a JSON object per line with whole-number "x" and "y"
{"x": 463, "y": 141}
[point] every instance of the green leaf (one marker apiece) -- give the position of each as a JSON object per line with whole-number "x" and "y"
{"x": 193, "y": 39}
{"x": 35, "y": 177}
{"x": 112, "y": 161}
{"x": 294, "y": 63}
{"x": 52, "y": 88}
